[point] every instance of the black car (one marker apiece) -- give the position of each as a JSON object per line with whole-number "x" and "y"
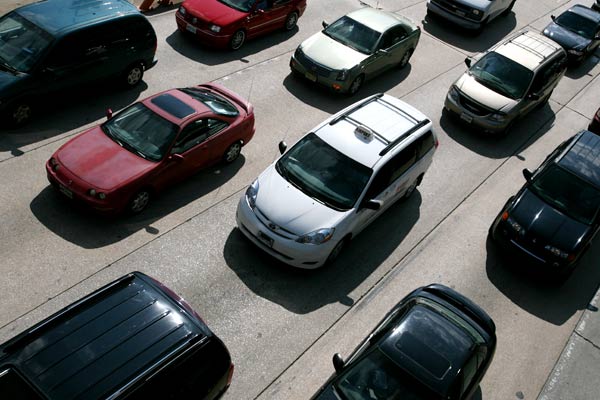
{"x": 434, "y": 344}
{"x": 551, "y": 221}
{"x": 577, "y": 30}
{"x": 596, "y": 5}
{"x": 133, "y": 338}
{"x": 54, "y": 45}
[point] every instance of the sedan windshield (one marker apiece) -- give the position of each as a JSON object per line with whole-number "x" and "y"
{"x": 577, "y": 24}
{"x": 568, "y": 194}
{"x": 213, "y": 101}
{"x": 21, "y": 43}
{"x": 375, "y": 376}
{"x": 502, "y": 75}
{"x": 353, "y": 34}
{"x": 141, "y": 131}
{"x": 240, "y": 5}
{"x": 323, "y": 173}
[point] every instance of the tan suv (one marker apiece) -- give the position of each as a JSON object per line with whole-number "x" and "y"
{"x": 507, "y": 82}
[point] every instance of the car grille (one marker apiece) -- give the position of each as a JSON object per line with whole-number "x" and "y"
{"x": 473, "y": 106}
{"x": 311, "y": 65}
{"x": 458, "y": 9}
{"x": 197, "y": 22}
{"x": 277, "y": 230}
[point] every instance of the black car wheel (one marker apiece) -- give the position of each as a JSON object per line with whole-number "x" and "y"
{"x": 291, "y": 21}
{"x": 133, "y": 75}
{"x": 139, "y": 201}
{"x": 19, "y": 113}
{"x": 237, "y": 40}
{"x": 356, "y": 85}
{"x": 337, "y": 250}
{"x": 232, "y": 153}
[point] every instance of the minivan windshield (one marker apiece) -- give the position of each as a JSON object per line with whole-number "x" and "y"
{"x": 568, "y": 193}
{"x": 577, "y": 24}
{"x": 141, "y": 131}
{"x": 502, "y": 75}
{"x": 323, "y": 173}
{"x": 21, "y": 43}
{"x": 353, "y": 34}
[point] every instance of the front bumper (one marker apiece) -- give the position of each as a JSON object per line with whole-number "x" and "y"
{"x": 305, "y": 256}
{"x": 204, "y": 36}
{"x": 479, "y": 122}
{"x": 328, "y": 80}
{"x": 455, "y": 19}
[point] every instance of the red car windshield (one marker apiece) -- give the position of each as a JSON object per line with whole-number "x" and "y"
{"x": 240, "y": 5}
{"x": 141, "y": 131}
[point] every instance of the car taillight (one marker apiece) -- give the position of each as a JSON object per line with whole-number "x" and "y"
{"x": 230, "y": 374}
{"x": 437, "y": 143}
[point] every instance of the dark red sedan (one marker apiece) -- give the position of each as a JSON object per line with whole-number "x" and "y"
{"x": 119, "y": 165}
{"x": 228, "y": 23}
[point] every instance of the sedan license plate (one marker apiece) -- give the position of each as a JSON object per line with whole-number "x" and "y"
{"x": 460, "y": 13}
{"x": 65, "y": 191}
{"x": 191, "y": 28}
{"x": 265, "y": 239}
{"x": 310, "y": 77}
{"x": 466, "y": 118}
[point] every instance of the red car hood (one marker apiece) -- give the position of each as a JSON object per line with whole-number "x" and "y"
{"x": 213, "y": 11}
{"x": 99, "y": 161}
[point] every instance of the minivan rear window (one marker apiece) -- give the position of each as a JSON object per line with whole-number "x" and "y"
{"x": 21, "y": 43}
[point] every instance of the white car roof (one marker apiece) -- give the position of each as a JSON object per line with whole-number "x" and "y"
{"x": 375, "y": 19}
{"x": 386, "y": 120}
{"x": 528, "y": 49}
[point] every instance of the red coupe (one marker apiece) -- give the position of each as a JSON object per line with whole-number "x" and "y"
{"x": 228, "y": 23}
{"x": 118, "y": 165}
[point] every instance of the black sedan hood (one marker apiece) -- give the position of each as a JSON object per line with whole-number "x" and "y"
{"x": 543, "y": 221}
{"x": 567, "y": 39}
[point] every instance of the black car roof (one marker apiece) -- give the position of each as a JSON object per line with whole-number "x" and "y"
{"x": 102, "y": 342}
{"x": 583, "y": 157}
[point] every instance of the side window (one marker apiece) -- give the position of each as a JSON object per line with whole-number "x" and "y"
{"x": 392, "y": 36}
{"x": 424, "y": 144}
{"x": 541, "y": 79}
{"x": 197, "y": 132}
{"x": 264, "y": 4}
{"x": 380, "y": 182}
{"x": 403, "y": 161}
{"x": 469, "y": 372}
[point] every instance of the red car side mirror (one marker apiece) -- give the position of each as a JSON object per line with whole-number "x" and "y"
{"x": 109, "y": 113}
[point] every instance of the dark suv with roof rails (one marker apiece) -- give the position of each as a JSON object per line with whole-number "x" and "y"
{"x": 434, "y": 344}
{"x": 553, "y": 218}
{"x": 133, "y": 338}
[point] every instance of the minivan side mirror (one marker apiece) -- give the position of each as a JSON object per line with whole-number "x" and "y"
{"x": 553, "y": 17}
{"x": 597, "y": 37}
{"x": 534, "y": 96}
{"x": 109, "y": 113}
{"x": 282, "y": 147}
{"x": 338, "y": 362}
{"x": 325, "y": 24}
{"x": 372, "y": 204}
{"x": 527, "y": 174}
{"x": 468, "y": 62}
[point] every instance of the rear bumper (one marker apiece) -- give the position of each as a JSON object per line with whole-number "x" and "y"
{"x": 455, "y": 19}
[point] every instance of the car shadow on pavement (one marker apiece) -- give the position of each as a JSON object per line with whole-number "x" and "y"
{"x": 189, "y": 47}
{"x": 90, "y": 231}
{"x": 521, "y": 135}
{"x": 303, "y": 291}
{"x": 583, "y": 69}
{"x": 536, "y": 293}
{"x": 65, "y": 111}
{"x": 462, "y": 38}
{"x": 326, "y": 100}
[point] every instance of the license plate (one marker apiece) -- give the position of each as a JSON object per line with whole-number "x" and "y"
{"x": 265, "y": 239}
{"x": 460, "y": 13}
{"x": 466, "y": 118}
{"x": 191, "y": 28}
{"x": 65, "y": 191}
{"x": 310, "y": 77}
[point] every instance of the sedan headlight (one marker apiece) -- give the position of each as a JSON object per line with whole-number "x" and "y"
{"x": 94, "y": 193}
{"x": 512, "y": 223}
{"x": 215, "y": 28}
{"x": 476, "y": 11}
{"x": 498, "y": 117}
{"x": 576, "y": 53}
{"x": 453, "y": 93}
{"x": 252, "y": 193}
{"x": 54, "y": 164}
{"x": 182, "y": 10}
{"x": 317, "y": 237}
{"x": 342, "y": 75}
{"x": 557, "y": 252}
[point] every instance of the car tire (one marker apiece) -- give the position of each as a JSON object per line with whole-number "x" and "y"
{"x": 411, "y": 189}
{"x": 291, "y": 21}
{"x": 337, "y": 250}
{"x": 232, "y": 153}
{"x": 356, "y": 85}
{"x": 19, "y": 113}
{"x": 139, "y": 202}
{"x": 133, "y": 75}
{"x": 509, "y": 9}
{"x": 237, "y": 40}
{"x": 406, "y": 58}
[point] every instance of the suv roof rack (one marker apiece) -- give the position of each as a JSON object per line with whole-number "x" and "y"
{"x": 400, "y": 138}
{"x": 524, "y": 47}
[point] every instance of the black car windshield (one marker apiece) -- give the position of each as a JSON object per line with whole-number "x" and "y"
{"x": 568, "y": 193}
{"x": 577, "y": 24}
{"x": 213, "y": 101}
{"x": 375, "y": 376}
{"x": 21, "y": 43}
{"x": 502, "y": 75}
{"x": 353, "y": 34}
{"x": 141, "y": 131}
{"x": 240, "y": 5}
{"x": 323, "y": 173}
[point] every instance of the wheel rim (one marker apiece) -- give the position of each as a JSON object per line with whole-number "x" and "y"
{"x": 21, "y": 113}
{"x": 237, "y": 40}
{"x": 140, "y": 201}
{"x": 356, "y": 85}
{"x": 336, "y": 251}
{"x": 134, "y": 76}
{"x": 233, "y": 152}
{"x": 291, "y": 21}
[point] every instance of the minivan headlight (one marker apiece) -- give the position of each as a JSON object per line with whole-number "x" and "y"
{"x": 252, "y": 193}
{"x": 576, "y": 53}
{"x": 342, "y": 75}
{"x": 215, "y": 28}
{"x": 316, "y": 237}
{"x": 453, "y": 93}
{"x": 498, "y": 117}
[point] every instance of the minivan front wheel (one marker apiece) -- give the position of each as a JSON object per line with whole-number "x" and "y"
{"x": 134, "y": 75}
{"x": 20, "y": 113}
{"x": 337, "y": 250}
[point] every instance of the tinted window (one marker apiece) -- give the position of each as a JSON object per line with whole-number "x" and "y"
{"x": 392, "y": 170}
{"x": 353, "y": 34}
{"x": 21, "y": 43}
{"x": 393, "y": 36}
{"x": 196, "y": 133}
{"x": 424, "y": 144}
{"x": 76, "y": 48}
{"x": 502, "y": 75}
{"x": 240, "y": 5}
{"x": 218, "y": 104}
{"x": 577, "y": 24}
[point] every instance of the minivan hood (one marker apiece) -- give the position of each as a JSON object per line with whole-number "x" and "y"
{"x": 99, "y": 161}
{"x": 567, "y": 39}
{"x": 543, "y": 221}
{"x": 326, "y": 51}
{"x": 213, "y": 11}
{"x": 288, "y": 207}
{"x": 478, "y": 4}
{"x": 483, "y": 95}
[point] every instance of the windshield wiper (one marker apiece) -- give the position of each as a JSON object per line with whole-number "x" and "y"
{"x": 8, "y": 67}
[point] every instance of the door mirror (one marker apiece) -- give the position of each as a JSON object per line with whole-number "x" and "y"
{"x": 527, "y": 174}
{"x": 468, "y": 62}
{"x": 109, "y": 113}
{"x": 383, "y": 51}
{"x": 553, "y": 17}
{"x": 282, "y": 147}
{"x": 597, "y": 37}
{"x": 325, "y": 24}
{"x": 176, "y": 157}
{"x": 338, "y": 362}
{"x": 534, "y": 96}
{"x": 372, "y": 204}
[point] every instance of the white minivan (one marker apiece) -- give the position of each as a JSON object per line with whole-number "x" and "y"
{"x": 306, "y": 206}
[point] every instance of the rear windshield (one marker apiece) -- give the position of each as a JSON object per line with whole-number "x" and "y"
{"x": 218, "y": 104}
{"x": 21, "y": 43}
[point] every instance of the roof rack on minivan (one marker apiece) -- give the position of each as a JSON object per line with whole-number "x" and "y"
{"x": 406, "y": 134}
{"x": 529, "y": 48}
{"x": 356, "y": 107}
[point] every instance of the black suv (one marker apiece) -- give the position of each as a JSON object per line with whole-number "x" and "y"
{"x": 551, "y": 221}
{"x": 133, "y": 338}
{"x": 434, "y": 344}
{"x": 53, "y": 45}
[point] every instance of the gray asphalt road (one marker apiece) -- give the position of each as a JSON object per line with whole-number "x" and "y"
{"x": 282, "y": 326}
